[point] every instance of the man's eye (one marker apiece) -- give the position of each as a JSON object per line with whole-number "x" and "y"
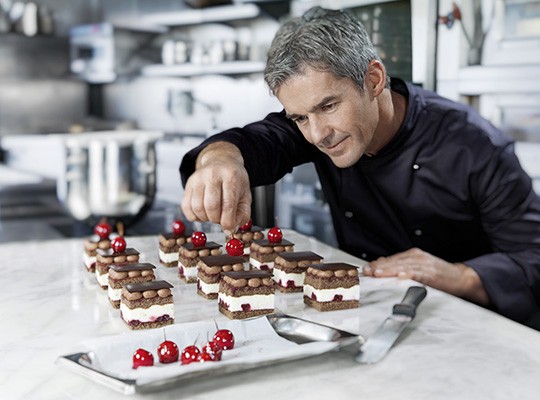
{"x": 300, "y": 120}
{"x": 328, "y": 107}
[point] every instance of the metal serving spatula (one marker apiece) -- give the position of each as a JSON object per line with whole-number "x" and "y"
{"x": 378, "y": 344}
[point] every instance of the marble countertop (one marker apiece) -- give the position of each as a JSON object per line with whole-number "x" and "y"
{"x": 452, "y": 350}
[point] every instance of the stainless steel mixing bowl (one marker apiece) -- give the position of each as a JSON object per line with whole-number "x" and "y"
{"x": 108, "y": 174}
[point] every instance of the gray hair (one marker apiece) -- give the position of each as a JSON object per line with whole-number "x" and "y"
{"x": 325, "y": 40}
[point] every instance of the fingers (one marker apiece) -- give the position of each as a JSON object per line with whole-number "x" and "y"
{"x": 221, "y": 196}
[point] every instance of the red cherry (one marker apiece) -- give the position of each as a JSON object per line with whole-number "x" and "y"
{"x": 178, "y": 227}
{"x": 275, "y": 235}
{"x": 224, "y": 338}
{"x": 103, "y": 230}
{"x": 211, "y": 351}
{"x": 119, "y": 244}
{"x": 142, "y": 358}
{"x": 167, "y": 352}
{"x": 246, "y": 227}
{"x": 235, "y": 247}
{"x": 190, "y": 354}
{"x": 198, "y": 239}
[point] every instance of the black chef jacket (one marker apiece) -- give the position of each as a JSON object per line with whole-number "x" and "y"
{"x": 448, "y": 183}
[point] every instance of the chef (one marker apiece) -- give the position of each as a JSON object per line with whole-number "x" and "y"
{"x": 420, "y": 186}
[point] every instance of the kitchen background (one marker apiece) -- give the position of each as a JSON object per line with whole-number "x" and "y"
{"x": 158, "y": 76}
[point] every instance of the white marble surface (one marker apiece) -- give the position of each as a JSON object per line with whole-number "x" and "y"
{"x": 452, "y": 350}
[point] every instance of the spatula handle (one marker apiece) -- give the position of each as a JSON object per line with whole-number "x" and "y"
{"x": 413, "y": 297}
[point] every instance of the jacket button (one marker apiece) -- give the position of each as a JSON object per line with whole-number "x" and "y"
{"x": 416, "y": 167}
{"x": 418, "y": 232}
{"x": 348, "y": 214}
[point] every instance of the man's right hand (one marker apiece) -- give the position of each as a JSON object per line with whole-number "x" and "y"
{"x": 218, "y": 191}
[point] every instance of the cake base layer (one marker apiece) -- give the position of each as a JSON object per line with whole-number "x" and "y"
{"x": 148, "y": 325}
{"x": 115, "y": 303}
{"x": 209, "y": 296}
{"x": 331, "y": 305}
{"x": 244, "y": 314}
{"x": 294, "y": 289}
{"x": 169, "y": 264}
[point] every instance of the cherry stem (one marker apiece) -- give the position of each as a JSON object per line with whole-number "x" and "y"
{"x": 217, "y": 327}
{"x": 120, "y": 228}
{"x": 276, "y": 220}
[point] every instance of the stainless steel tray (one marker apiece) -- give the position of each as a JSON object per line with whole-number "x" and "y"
{"x": 294, "y": 329}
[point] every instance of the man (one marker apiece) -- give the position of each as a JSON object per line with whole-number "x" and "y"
{"x": 420, "y": 186}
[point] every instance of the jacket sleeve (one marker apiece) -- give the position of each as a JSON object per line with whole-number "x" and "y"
{"x": 510, "y": 214}
{"x": 270, "y": 148}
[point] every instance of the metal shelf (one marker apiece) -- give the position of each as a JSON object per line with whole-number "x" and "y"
{"x": 225, "y": 68}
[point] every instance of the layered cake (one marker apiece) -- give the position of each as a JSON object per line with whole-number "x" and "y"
{"x": 147, "y": 305}
{"x": 99, "y": 240}
{"x": 105, "y": 258}
{"x": 170, "y": 242}
{"x": 332, "y": 286}
{"x": 247, "y": 233}
{"x": 91, "y": 245}
{"x": 264, "y": 252}
{"x": 246, "y": 294}
{"x": 209, "y": 273}
{"x": 120, "y": 275}
{"x": 189, "y": 255}
{"x": 290, "y": 269}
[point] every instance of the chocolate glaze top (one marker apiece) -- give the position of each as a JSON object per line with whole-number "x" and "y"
{"x": 299, "y": 255}
{"x": 208, "y": 245}
{"x": 254, "y": 228}
{"x": 132, "y": 267}
{"x": 110, "y": 252}
{"x": 266, "y": 243}
{"x": 248, "y": 274}
{"x": 332, "y": 266}
{"x": 171, "y": 235}
{"x": 223, "y": 259}
{"x": 153, "y": 285}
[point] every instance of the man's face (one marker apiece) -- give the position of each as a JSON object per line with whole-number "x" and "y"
{"x": 332, "y": 113}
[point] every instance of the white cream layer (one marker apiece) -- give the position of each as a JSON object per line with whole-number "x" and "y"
{"x": 189, "y": 272}
{"x": 352, "y": 293}
{"x": 114, "y": 294}
{"x": 168, "y": 257}
{"x": 88, "y": 260}
{"x": 257, "y": 264}
{"x": 208, "y": 288}
{"x": 257, "y": 301}
{"x": 149, "y": 314}
{"x": 279, "y": 274}
{"x": 103, "y": 280}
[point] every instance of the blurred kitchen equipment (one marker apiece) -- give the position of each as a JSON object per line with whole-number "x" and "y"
{"x": 108, "y": 174}
{"x": 5, "y": 22}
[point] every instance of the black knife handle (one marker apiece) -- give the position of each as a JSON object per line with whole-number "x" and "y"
{"x": 413, "y": 297}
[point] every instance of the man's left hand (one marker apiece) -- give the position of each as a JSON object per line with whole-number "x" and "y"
{"x": 457, "y": 279}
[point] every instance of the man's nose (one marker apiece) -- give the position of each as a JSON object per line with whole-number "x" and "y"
{"x": 319, "y": 131}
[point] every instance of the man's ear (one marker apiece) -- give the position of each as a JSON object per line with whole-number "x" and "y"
{"x": 375, "y": 78}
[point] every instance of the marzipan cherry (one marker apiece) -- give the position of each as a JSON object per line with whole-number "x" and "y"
{"x": 119, "y": 244}
{"x": 211, "y": 351}
{"x": 190, "y": 354}
{"x": 275, "y": 235}
{"x": 142, "y": 358}
{"x": 103, "y": 230}
{"x": 224, "y": 338}
{"x": 235, "y": 247}
{"x": 178, "y": 227}
{"x": 198, "y": 239}
{"x": 168, "y": 352}
{"x": 246, "y": 227}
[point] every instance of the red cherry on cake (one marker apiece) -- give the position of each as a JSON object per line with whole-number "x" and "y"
{"x": 142, "y": 358}
{"x": 167, "y": 352}
{"x": 103, "y": 230}
{"x": 211, "y": 351}
{"x": 246, "y": 227}
{"x": 119, "y": 244}
{"x": 178, "y": 227}
{"x": 275, "y": 235}
{"x": 235, "y": 247}
{"x": 224, "y": 338}
{"x": 190, "y": 354}
{"x": 198, "y": 239}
